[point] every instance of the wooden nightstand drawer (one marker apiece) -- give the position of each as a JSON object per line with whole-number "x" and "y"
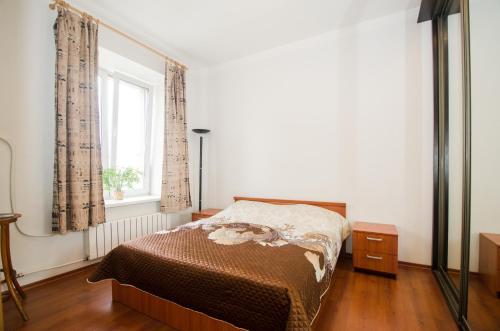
{"x": 205, "y": 213}
{"x": 196, "y": 216}
{"x": 375, "y": 242}
{"x": 375, "y": 247}
{"x": 375, "y": 261}
{"x": 489, "y": 261}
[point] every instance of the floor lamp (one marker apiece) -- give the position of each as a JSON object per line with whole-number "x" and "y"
{"x": 201, "y": 132}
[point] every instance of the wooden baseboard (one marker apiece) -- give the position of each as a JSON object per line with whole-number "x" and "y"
{"x": 415, "y": 265}
{"x": 45, "y": 281}
{"x": 402, "y": 263}
{"x": 457, "y": 271}
{"x": 42, "y": 282}
{"x": 60, "y": 276}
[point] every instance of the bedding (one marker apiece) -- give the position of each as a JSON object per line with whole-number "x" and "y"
{"x": 255, "y": 265}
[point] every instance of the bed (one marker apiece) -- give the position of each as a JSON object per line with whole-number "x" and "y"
{"x": 260, "y": 264}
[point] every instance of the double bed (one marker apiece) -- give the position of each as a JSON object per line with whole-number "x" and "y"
{"x": 259, "y": 264}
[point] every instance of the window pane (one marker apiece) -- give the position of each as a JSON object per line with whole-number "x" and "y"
{"x": 99, "y": 101}
{"x": 106, "y": 96}
{"x": 108, "y": 120}
{"x": 131, "y": 135}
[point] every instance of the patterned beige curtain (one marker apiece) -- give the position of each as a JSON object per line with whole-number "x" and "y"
{"x": 175, "y": 195}
{"x": 78, "y": 193}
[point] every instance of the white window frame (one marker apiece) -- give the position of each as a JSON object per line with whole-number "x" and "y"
{"x": 109, "y": 147}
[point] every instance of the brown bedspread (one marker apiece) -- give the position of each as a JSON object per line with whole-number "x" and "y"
{"x": 256, "y": 280}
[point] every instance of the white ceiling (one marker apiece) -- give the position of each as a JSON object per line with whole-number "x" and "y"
{"x": 215, "y": 31}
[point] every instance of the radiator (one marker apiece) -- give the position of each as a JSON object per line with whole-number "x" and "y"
{"x": 106, "y": 236}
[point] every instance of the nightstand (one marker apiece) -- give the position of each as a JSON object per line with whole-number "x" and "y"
{"x": 489, "y": 261}
{"x": 375, "y": 247}
{"x": 204, "y": 213}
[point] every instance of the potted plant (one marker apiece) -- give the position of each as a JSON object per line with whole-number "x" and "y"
{"x": 116, "y": 179}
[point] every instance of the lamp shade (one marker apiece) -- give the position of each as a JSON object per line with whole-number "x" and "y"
{"x": 201, "y": 131}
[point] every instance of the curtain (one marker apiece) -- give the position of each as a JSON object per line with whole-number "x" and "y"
{"x": 77, "y": 193}
{"x": 175, "y": 195}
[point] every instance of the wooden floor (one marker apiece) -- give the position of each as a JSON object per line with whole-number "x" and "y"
{"x": 357, "y": 302}
{"x": 484, "y": 306}
{"x": 361, "y": 301}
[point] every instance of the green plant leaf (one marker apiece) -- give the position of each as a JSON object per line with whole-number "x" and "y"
{"x": 118, "y": 178}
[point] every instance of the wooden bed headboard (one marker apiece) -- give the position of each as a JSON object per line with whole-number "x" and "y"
{"x": 338, "y": 207}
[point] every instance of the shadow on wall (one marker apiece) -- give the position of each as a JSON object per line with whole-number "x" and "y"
{"x": 414, "y": 117}
{"x": 348, "y": 105}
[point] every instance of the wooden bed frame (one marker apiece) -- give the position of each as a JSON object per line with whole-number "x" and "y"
{"x": 185, "y": 319}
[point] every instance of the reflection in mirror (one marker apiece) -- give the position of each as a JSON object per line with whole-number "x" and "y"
{"x": 484, "y": 279}
{"x": 455, "y": 147}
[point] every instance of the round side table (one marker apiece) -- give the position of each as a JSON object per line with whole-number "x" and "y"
{"x": 9, "y": 272}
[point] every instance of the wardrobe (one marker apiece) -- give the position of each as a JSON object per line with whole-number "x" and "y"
{"x": 466, "y": 208}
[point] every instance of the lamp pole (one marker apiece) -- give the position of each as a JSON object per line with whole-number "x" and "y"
{"x": 200, "y": 178}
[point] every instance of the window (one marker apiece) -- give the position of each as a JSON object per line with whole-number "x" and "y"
{"x": 126, "y": 116}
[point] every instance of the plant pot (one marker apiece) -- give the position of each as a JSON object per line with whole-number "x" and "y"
{"x": 118, "y": 195}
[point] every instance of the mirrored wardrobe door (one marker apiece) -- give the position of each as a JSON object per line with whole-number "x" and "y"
{"x": 483, "y": 311}
{"x": 449, "y": 150}
{"x": 455, "y": 148}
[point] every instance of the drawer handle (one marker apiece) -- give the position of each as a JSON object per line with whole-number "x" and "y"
{"x": 374, "y": 257}
{"x": 374, "y": 239}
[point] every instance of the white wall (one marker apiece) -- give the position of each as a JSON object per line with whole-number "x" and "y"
{"x": 485, "y": 107}
{"x": 345, "y": 116}
{"x": 27, "y": 121}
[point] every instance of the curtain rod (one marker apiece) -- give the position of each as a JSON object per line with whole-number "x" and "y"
{"x": 63, "y": 4}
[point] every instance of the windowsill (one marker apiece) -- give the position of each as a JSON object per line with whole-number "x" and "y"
{"x": 131, "y": 201}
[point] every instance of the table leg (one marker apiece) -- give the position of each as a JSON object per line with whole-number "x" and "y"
{"x": 1, "y": 315}
{"x": 14, "y": 279}
{"x": 4, "y": 228}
